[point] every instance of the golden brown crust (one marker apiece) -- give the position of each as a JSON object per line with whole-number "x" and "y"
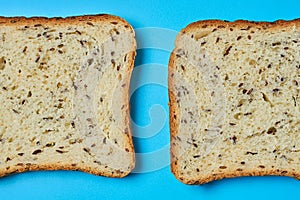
{"x": 37, "y": 21}
{"x": 172, "y": 111}
{"x": 240, "y": 24}
{"x": 234, "y": 174}
{"x": 19, "y": 21}
{"x": 174, "y": 124}
{"x": 131, "y": 57}
{"x": 57, "y": 166}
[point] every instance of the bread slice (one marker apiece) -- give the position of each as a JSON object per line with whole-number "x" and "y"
{"x": 234, "y": 92}
{"x": 64, "y": 94}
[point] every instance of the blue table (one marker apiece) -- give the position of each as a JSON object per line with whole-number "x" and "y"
{"x": 156, "y": 23}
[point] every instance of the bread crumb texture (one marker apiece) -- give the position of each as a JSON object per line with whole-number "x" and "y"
{"x": 58, "y": 82}
{"x": 235, "y": 100}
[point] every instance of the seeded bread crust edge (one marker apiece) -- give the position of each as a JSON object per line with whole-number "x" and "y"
{"x": 20, "y": 20}
{"x": 173, "y": 107}
{"x": 73, "y": 20}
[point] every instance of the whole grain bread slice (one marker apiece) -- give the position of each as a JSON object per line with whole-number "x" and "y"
{"x": 234, "y": 91}
{"x": 64, "y": 94}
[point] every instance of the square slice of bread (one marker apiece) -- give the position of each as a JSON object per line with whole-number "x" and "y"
{"x": 64, "y": 94}
{"x": 234, "y": 91}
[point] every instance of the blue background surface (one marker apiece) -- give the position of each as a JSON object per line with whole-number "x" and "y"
{"x": 160, "y": 183}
